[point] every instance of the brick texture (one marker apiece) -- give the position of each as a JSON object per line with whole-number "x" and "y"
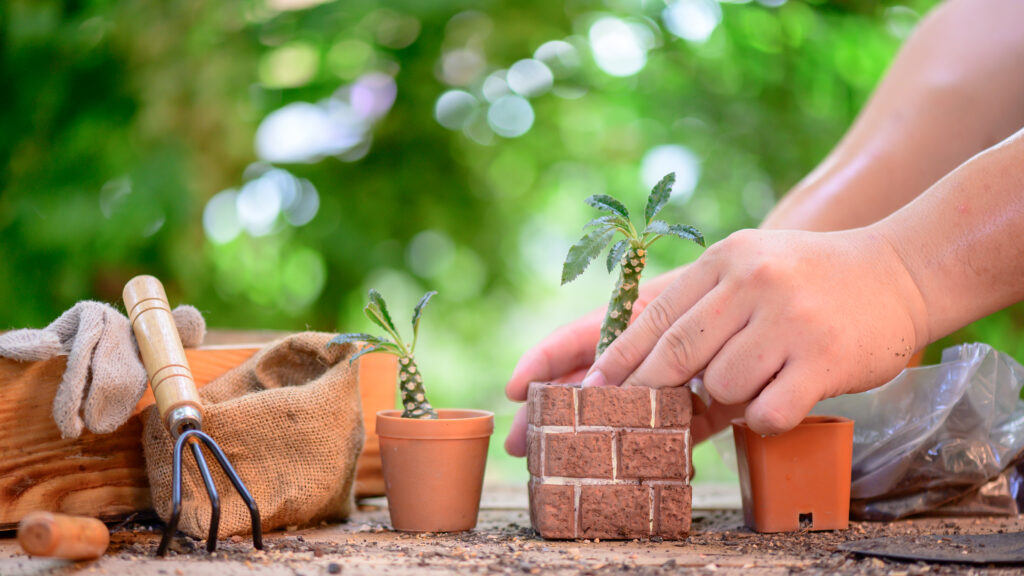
{"x": 615, "y": 511}
{"x": 578, "y": 454}
{"x": 618, "y": 407}
{"x": 652, "y": 455}
{"x": 552, "y": 509}
{"x": 551, "y": 405}
{"x": 609, "y": 463}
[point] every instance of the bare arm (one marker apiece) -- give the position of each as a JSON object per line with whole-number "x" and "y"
{"x": 955, "y": 89}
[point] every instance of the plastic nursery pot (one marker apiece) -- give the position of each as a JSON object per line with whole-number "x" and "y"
{"x": 801, "y": 473}
{"x": 434, "y": 469}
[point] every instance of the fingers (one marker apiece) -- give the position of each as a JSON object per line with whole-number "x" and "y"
{"x": 717, "y": 417}
{"x": 515, "y": 442}
{"x": 785, "y": 401}
{"x": 744, "y": 365}
{"x": 565, "y": 350}
{"x": 692, "y": 341}
{"x": 630, "y": 349}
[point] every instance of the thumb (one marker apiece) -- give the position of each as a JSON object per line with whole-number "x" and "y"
{"x": 191, "y": 325}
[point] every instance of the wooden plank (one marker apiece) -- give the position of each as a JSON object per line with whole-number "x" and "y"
{"x": 104, "y": 475}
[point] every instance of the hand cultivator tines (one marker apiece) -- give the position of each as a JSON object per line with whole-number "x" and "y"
{"x": 178, "y": 403}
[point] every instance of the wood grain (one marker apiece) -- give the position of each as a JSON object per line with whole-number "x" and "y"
{"x": 104, "y": 476}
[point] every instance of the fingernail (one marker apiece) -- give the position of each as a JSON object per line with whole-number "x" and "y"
{"x": 594, "y": 378}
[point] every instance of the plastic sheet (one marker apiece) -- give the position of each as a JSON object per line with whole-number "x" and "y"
{"x": 945, "y": 438}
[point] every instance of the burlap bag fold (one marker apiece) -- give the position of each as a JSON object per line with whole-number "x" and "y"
{"x": 290, "y": 421}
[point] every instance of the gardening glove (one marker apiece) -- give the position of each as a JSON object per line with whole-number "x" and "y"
{"x": 104, "y": 378}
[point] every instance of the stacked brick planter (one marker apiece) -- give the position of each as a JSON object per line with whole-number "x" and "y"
{"x": 609, "y": 463}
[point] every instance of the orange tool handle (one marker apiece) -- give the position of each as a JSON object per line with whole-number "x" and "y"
{"x": 62, "y": 536}
{"x": 177, "y": 399}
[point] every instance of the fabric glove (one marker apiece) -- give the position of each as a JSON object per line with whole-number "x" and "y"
{"x": 104, "y": 378}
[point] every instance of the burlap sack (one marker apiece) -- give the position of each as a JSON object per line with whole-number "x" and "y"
{"x": 290, "y": 421}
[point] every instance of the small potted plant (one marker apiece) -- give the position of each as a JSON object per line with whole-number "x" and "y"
{"x": 629, "y": 253}
{"x": 433, "y": 459}
{"x": 571, "y": 495}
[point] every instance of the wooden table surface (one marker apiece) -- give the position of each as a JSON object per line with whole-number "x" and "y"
{"x": 504, "y": 544}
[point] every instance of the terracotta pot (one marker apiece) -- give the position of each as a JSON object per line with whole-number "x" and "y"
{"x": 805, "y": 471}
{"x": 434, "y": 469}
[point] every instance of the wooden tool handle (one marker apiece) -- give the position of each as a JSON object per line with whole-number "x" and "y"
{"x": 173, "y": 386}
{"x": 62, "y": 536}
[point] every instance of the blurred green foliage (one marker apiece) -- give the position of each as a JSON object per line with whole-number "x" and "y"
{"x": 121, "y": 121}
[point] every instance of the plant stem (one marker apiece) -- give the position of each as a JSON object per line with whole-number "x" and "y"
{"x": 620, "y": 307}
{"x": 414, "y": 400}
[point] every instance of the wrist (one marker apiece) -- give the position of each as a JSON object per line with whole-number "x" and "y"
{"x": 897, "y": 265}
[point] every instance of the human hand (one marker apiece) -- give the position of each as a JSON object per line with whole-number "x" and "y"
{"x": 779, "y": 319}
{"x": 564, "y": 356}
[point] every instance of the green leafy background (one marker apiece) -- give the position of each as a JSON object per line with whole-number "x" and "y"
{"x": 123, "y": 123}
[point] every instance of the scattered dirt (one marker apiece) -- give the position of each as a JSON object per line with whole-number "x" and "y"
{"x": 719, "y": 544}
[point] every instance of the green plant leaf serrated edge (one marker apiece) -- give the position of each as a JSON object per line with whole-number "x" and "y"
{"x": 687, "y": 232}
{"x": 583, "y": 252}
{"x": 608, "y": 204}
{"x": 659, "y": 196}
{"x": 377, "y": 311}
{"x": 615, "y": 254}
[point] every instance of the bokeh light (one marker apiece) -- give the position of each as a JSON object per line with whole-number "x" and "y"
{"x": 692, "y": 20}
{"x": 289, "y": 66}
{"x": 529, "y": 78}
{"x": 559, "y": 56}
{"x": 220, "y": 217}
{"x": 511, "y": 116}
{"x": 619, "y": 48}
{"x": 454, "y": 109}
{"x": 430, "y": 253}
{"x": 666, "y": 158}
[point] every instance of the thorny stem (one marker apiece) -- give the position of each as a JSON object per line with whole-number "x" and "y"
{"x": 414, "y": 400}
{"x": 620, "y": 308}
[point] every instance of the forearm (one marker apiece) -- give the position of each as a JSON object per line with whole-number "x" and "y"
{"x": 955, "y": 89}
{"x": 961, "y": 240}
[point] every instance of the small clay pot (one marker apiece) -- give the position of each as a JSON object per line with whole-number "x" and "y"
{"x": 434, "y": 469}
{"x": 803, "y": 472}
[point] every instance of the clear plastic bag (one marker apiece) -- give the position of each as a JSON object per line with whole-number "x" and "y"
{"x": 945, "y": 438}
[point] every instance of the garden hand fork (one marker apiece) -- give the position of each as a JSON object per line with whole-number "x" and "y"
{"x": 178, "y": 403}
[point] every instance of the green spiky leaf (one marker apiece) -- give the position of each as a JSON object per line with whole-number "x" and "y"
{"x": 615, "y": 254}
{"x": 583, "y": 252}
{"x": 356, "y": 337}
{"x": 607, "y": 204}
{"x": 608, "y": 220}
{"x": 687, "y": 232}
{"x": 657, "y": 227}
{"x": 367, "y": 350}
{"x": 418, "y": 311}
{"x": 659, "y": 196}
{"x": 377, "y": 311}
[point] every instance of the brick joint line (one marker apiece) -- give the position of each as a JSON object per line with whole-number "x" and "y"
{"x": 572, "y": 429}
{"x": 570, "y": 481}
{"x": 654, "y": 406}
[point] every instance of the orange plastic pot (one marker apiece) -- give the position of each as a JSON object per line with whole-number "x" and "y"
{"x": 434, "y": 469}
{"x": 801, "y": 473}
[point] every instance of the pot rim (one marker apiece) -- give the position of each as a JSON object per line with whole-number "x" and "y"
{"x": 452, "y": 424}
{"x": 811, "y": 421}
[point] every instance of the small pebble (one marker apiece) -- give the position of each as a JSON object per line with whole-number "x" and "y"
{"x": 334, "y": 568}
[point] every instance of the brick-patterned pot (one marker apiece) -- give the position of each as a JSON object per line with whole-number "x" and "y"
{"x": 434, "y": 469}
{"x": 610, "y": 463}
{"x": 805, "y": 471}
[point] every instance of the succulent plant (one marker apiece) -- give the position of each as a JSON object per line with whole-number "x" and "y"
{"x": 410, "y": 382}
{"x": 629, "y": 253}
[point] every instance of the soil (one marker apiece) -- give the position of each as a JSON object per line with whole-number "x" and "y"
{"x": 504, "y": 543}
